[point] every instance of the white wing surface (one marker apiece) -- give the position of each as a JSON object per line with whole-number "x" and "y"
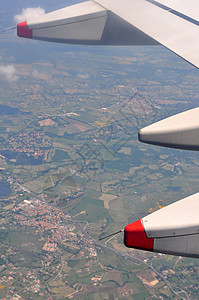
{"x": 174, "y": 30}
{"x": 172, "y": 23}
{"x": 189, "y": 8}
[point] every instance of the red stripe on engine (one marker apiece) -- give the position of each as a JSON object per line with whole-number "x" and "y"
{"x": 23, "y": 30}
{"x": 135, "y": 237}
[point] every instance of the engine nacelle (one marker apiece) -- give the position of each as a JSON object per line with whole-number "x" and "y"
{"x": 173, "y": 229}
{"x": 180, "y": 131}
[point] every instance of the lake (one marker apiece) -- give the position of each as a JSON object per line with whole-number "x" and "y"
{"x": 4, "y": 190}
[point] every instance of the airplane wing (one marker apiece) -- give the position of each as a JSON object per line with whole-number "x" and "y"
{"x": 172, "y": 23}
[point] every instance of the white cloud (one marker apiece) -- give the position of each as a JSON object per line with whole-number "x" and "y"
{"x": 8, "y": 73}
{"x": 36, "y": 74}
{"x": 83, "y": 76}
{"x": 29, "y": 14}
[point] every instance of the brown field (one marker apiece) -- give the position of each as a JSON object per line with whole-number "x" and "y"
{"x": 46, "y": 122}
{"x": 106, "y": 198}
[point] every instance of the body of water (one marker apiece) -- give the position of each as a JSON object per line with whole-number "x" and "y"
{"x": 4, "y": 190}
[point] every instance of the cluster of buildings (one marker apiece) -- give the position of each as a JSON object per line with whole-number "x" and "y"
{"x": 43, "y": 218}
{"x": 34, "y": 144}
